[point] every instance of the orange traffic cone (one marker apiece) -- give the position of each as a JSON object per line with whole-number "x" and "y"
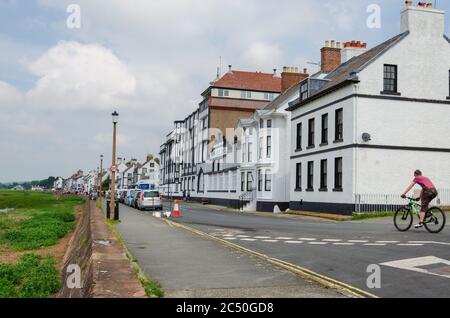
{"x": 176, "y": 209}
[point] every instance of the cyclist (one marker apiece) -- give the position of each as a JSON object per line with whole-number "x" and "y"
{"x": 428, "y": 194}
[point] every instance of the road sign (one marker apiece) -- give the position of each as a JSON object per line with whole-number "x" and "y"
{"x": 113, "y": 168}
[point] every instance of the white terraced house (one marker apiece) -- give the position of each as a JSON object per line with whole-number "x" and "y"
{"x": 264, "y": 151}
{"x": 194, "y": 157}
{"x": 364, "y": 127}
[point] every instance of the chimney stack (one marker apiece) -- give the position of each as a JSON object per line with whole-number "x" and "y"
{"x": 352, "y": 49}
{"x": 230, "y": 68}
{"x": 422, "y": 20}
{"x": 291, "y": 76}
{"x": 331, "y": 56}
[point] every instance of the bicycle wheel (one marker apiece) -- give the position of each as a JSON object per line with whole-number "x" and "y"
{"x": 403, "y": 219}
{"x": 435, "y": 220}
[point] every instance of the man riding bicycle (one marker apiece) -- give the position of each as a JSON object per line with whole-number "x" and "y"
{"x": 428, "y": 194}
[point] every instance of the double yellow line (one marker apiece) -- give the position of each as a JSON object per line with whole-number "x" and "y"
{"x": 329, "y": 282}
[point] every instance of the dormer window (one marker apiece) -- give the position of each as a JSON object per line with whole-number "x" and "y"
{"x": 390, "y": 80}
{"x": 304, "y": 91}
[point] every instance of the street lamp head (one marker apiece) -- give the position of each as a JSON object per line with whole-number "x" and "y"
{"x": 115, "y": 117}
{"x": 101, "y": 156}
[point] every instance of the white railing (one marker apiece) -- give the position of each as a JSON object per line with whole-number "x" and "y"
{"x": 366, "y": 203}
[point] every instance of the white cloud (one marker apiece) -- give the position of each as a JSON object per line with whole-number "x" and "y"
{"x": 104, "y": 138}
{"x": 263, "y": 55}
{"x": 9, "y": 95}
{"x": 76, "y": 76}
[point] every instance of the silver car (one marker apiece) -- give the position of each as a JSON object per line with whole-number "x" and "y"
{"x": 149, "y": 200}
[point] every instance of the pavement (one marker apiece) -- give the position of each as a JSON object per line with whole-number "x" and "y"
{"x": 414, "y": 264}
{"x": 113, "y": 275}
{"x": 191, "y": 266}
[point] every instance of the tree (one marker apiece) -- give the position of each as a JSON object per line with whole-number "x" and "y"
{"x": 106, "y": 184}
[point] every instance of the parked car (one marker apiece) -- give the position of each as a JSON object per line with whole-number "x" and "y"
{"x": 136, "y": 197}
{"x": 149, "y": 200}
{"x": 129, "y": 197}
{"x": 122, "y": 196}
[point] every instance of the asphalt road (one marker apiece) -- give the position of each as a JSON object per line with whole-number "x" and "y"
{"x": 340, "y": 250}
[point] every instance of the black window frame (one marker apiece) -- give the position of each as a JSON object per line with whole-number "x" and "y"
{"x": 310, "y": 176}
{"x": 299, "y": 136}
{"x": 249, "y": 181}
{"x": 269, "y": 147}
{"x": 269, "y": 123}
{"x": 324, "y": 175}
{"x": 260, "y": 180}
{"x": 268, "y": 180}
{"x": 304, "y": 91}
{"x": 325, "y": 124}
{"x": 338, "y": 174}
{"x": 339, "y": 125}
{"x": 311, "y": 133}
{"x": 243, "y": 182}
{"x": 390, "y": 79}
{"x": 298, "y": 176}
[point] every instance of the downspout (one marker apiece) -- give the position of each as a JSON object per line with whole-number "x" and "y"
{"x": 355, "y": 125}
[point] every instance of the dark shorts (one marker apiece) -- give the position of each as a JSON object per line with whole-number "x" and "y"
{"x": 428, "y": 195}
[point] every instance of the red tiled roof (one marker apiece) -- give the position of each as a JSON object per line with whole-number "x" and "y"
{"x": 255, "y": 81}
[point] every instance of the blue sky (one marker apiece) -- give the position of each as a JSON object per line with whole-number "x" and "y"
{"x": 149, "y": 59}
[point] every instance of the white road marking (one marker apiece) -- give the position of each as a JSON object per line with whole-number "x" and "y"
{"x": 331, "y": 240}
{"x": 227, "y": 235}
{"x": 270, "y": 241}
{"x": 388, "y": 242}
{"x": 318, "y": 243}
{"x": 283, "y": 238}
{"x": 428, "y": 242}
{"x": 307, "y": 239}
{"x": 293, "y": 242}
{"x": 344, "y": 244}
{"x": 242, "y": 236}
{"x": 358, "y": 241}
{"x": 414, "y": 264}
{"x": 230, "y": 238}
{"x": 375, "y": 244}
{"x": 248, "y": 239}
{"x": 262, "y": 237}
{"x": 410, "y": 244}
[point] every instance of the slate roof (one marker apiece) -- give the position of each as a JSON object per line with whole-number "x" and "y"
{"x": 342, "y": 74}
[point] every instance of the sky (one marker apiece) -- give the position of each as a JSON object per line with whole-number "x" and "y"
{"x": 150, "y": 60}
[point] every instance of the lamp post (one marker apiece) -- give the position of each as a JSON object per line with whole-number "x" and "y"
{"x": 115, "y": 118}
{"x": 100, "y": 177}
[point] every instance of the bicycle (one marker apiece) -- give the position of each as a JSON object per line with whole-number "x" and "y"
{"x": 434, "y": 221}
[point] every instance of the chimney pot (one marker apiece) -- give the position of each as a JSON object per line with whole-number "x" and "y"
{"x": 305, "y": 71}
{"x": 327, "y": 44}
{"x": 229, "y": 67}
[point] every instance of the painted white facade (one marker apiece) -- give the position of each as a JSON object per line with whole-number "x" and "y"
{"x": 408, "y": 130}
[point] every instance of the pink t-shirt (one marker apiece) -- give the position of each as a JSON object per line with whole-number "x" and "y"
{"x": 424, "y": 182}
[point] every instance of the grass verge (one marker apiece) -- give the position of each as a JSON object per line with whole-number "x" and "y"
{"x": 33, "y": 277}
{"x": 34, "y": 221}
{"x": 371, "y": 215}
